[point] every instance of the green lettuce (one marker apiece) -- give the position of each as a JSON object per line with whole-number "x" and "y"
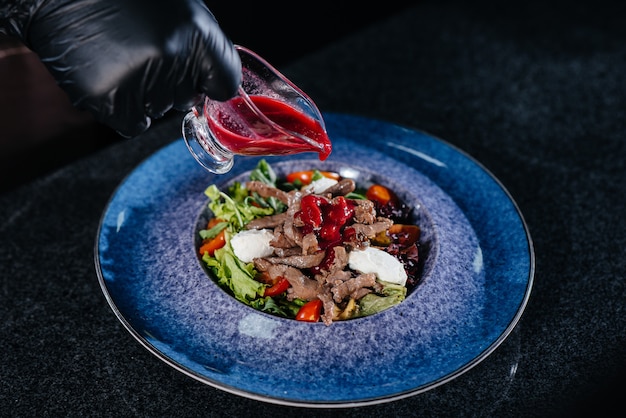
{"x": 234, "y": 208}
{"x": 372, "y": 303}
{"x": 234, "y": 274}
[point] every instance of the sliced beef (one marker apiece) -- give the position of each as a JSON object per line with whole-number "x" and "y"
{"x": 329, "y": 308}
{"x": 265, "y": 190}
{"x": 359, "y": 293}
{"x": 310, "y": 244}
{"x": 301, "y": 286}
{"x": 370, "y": 231}
{"x": 281, "y": 240}
{"x": 299, "y": 261}
{"x": 341, "y": 188}
{"x": 345, "y": 289}
{"x": 364, "y": 211}
{"x": 340, "y": 259}
{"x": 262, "y": 264}
{"x": 290, "y": 230}
{"x": 287, "y": 252}
{"x": 334, "y": 278}
{"x": 267, "y": 222}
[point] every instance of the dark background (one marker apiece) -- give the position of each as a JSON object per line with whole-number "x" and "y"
{"x": 534, "y": 90}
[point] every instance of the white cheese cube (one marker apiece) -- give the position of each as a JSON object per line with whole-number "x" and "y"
{"x": 318, "y": 186}
{"x": 253, "y": 243}
{"x": 372, "y": 260}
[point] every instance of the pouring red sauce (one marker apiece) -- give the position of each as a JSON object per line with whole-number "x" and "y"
{"x": 262, "y": 139}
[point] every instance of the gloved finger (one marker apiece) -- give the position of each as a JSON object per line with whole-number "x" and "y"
{"x": 196, "y": 63}
{"x": 124, "y": 111}
{"x": 131, "y": 130}
{"x": 189, "y": 102}
{"x": 217, "y": 78}
{"x": 157, "y": 104}
{"x": 125, "y": 70}
{"x": 224, "y": 77}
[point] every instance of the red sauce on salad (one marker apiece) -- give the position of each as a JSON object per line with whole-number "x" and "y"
{"x": 263, "y": 140}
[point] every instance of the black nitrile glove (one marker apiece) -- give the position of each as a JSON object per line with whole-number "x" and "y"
{"x": 128, "y": 61}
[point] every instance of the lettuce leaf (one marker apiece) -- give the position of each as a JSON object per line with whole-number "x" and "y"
{"x": 212, "y": 232}
{"x": 234, "y": 274}
{"x": 278, "y": 306}
{"x": 264, "y": 173}
{"x": 372, "y": 303}
{"x": 234, "y": 210}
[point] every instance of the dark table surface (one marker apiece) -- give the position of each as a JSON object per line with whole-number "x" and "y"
{"x": 533, "y": 90}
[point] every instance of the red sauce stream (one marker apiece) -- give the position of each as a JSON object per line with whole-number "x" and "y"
{"x": 264, "y": 140}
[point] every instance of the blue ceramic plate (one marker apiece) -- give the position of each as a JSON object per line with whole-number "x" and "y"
{"x": 478, "y": 267}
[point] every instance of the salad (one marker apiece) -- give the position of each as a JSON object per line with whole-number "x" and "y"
{"x": 311, "y": 246}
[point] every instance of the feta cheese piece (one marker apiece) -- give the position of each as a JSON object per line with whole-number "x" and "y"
{"x": 253, "y": 243}
{"x": 372, "y": 260}
{"x": 319, "y": 185}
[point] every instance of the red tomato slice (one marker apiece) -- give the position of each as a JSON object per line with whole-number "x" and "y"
{"x": 305, "y": 177}
{"x": 213, "y": 244}
{"x": 281, "y": 286}
{"x": 381, "y": 194}
{"x": 213, "y": 222}
{"x": 310, "y": 311}
{"x": 331, "y": 175}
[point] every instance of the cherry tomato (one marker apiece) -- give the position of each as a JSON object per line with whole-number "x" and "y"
{"x": 381, "y": 194}
{"x": 213, "y": 244}
{"x": 305, "y": 177}
{"x": 214, "y": 221}
{"x": 310, "y": 311}
{"x": 281, "y": 286}
{"x": 331, "y": 175}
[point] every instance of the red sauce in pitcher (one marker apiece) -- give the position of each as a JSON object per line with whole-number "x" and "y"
{"x": 262, "y": 139}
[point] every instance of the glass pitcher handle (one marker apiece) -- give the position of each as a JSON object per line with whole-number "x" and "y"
{"x": 203, "y": 145}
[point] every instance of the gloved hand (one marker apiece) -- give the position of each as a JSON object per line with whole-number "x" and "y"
{"x": 128, "y": 61}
